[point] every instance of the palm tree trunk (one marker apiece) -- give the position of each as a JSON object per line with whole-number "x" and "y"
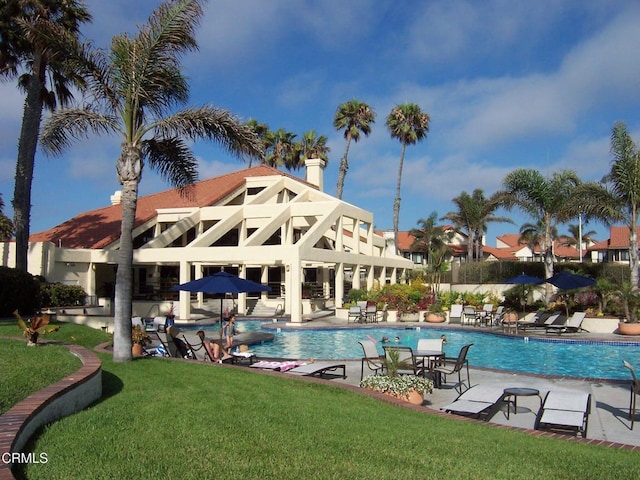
{"x": 633, "y": 250}
{"x": 27, "y": 145}
{"x": 396, "y": 202}
{"x": 344, "y": 166}
{"x": 548, "y": 260}
{"x": 129, "y": 171}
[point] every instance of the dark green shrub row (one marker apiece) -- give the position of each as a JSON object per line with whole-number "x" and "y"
{"x": 18, "y": 291}
{"x": 28, "y": 294}
{"x": 497, "y": 272}
{"x": 60, "y": 295}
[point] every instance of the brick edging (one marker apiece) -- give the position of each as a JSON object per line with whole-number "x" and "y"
{"x": 69, "y": 395}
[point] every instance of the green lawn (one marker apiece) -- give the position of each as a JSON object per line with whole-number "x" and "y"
{"x": 171, "y": 419}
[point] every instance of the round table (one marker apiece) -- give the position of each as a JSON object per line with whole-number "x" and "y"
{"x": 516, "y": 392}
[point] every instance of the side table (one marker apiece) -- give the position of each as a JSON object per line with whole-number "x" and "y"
{"x": 515, "y": 392}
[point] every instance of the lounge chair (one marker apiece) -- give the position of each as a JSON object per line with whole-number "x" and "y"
{"x": 478, "y": 401}
{"x": 542, "y": 320}
{"x": 281, "y": 366}
{"x": 572, "y": 325}
{"x": 635, "y": 390}
{"x": 564, "y": 412}
{"x": 455, "y": 313}
{"x": 371, "y": 358}
{"x": 498, "y": 316}
{"x": 319, "y": 369}
{"x": 450, "y": 367}
{"x": 486, "y": 316}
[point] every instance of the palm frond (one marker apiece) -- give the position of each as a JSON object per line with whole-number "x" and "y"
{"x": 173, "y": 159}
{"x": 65, "y": 125}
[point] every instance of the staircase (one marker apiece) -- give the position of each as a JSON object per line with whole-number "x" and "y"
{"x": 256, "y": 308}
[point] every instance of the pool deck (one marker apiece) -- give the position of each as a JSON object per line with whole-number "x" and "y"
{"x": 608, "y": 421}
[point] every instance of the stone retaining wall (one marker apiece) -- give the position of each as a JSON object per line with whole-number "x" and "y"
{"x": 63, "y": 398}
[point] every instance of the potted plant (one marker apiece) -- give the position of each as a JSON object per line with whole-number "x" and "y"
{"x": 435, "y": 313}
{"x": 411, "y": 388}
{"x": 35, "y": 327}
{"x": 139, "y": 338}
{"x": 169, "y": 317}
{"x": 630, "y": 300}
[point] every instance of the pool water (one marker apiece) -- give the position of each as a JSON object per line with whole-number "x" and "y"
{"x": 546, "y": 356}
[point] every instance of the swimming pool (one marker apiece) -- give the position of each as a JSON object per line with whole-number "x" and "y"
{"x": 546, "y": 356}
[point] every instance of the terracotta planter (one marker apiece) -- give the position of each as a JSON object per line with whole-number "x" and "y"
{"x": 136, "y": 350}
{"x": 434, "y": 318}
{"x": 629, "y": 328}
{"x": 416, "y": 398}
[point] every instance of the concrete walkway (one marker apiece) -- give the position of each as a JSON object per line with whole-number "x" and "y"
{"x": 608, "y": 420}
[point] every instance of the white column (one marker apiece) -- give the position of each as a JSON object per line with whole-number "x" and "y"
{"x": 185, "y": 297}
{"x": 242, "y": 297}
{"x": 339, "y": 284}
{"x": 294, "y": 290}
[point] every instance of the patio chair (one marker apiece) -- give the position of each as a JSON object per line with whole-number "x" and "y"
{"x": 450, "y": 367}
{"x": 355, "y": 314}
{"x": 371, "y": 358}
{"x": 486, "y": 315}
{"x": 498, "y": 316}
{"x": 407, "y": 362}
{"x": 371, "y": 313}
{"x": 635, "y": 390}
{"x": 564, "y": 412}
{"x": 168, "y": 344}
{"x": 381, "y": 315}
{"x": 572, "y": 325}
{"x": 479, "y": 401}
{"x": 455, "y": 313}
{"x": 470, "y": 316}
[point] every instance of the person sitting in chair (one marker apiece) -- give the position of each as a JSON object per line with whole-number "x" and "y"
{"x": 214, "y": 349}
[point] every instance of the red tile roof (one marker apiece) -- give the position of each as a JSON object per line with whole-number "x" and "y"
{"x": 618, "y": 239}
{"x": 101, "y": 227}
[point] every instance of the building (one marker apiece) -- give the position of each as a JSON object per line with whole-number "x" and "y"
{"x": 260, "y": 223}
{"x": 509, "y": 247}
{"x": 615, "y": 248}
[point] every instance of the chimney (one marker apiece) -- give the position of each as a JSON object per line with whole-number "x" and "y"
{"x": 116, "y": 198}
{"x": 315, "y": 170}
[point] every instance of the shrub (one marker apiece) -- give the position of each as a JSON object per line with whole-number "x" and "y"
{"x": 18, "y": 291}
{"x": 60, "y": 295}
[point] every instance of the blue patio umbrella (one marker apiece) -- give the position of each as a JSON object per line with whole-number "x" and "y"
{"x": 524, "y": 279}
{"x": 570, "y": 281}
{"x": 222, "y": 283}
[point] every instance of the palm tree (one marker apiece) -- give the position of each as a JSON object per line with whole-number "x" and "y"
{"x": 546, "y": 201}
{"x": 532, "y": 235}
{"x": 261, "y": 130}
{"x": 38, "y": 38}
{"x": 6, "y": 225}
{"x": 313, "y": 146}
{"x": 474, "y": 212}
{"x": 408, "y": 124}
{"x": 280, "y": 149}
{"x": 617, "y": 197}
{"x": 578, "y": 238}
{"x": 136, "y": 88}
{"x": 433, "y": 242}
{"x": 354, "y": 117}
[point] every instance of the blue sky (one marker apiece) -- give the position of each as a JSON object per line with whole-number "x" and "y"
{"x": 507, "y": 84}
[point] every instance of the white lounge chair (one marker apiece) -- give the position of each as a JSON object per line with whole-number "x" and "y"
{"x": 564, "y": 411}
{"x": 455, "y": 314}
{"x": 478, "y": 401}
{"x": 572, "y": 325}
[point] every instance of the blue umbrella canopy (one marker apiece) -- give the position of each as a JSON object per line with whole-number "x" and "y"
{"x": 221, "y": 283}
{"x": 570, "y": 281}
{"x": 524, "y": 279}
